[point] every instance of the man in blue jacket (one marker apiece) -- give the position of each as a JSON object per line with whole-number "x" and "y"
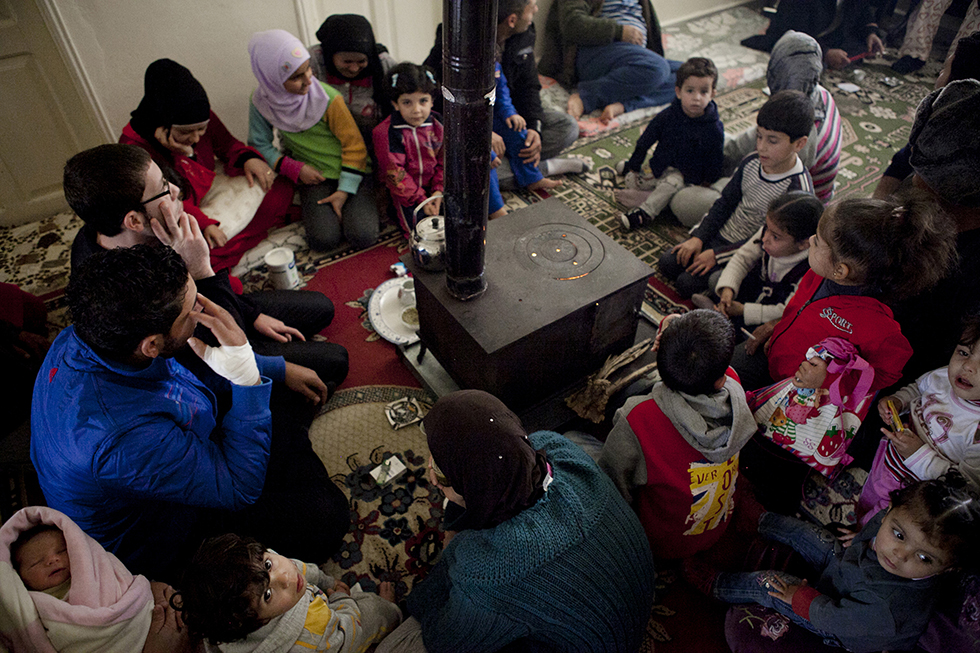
{"x": 147, "y": 457}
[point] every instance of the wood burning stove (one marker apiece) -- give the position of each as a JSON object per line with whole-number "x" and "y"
{"x": 561, "y": 296}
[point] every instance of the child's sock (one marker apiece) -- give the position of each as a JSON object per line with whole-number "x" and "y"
{"x": 564, "y": 166}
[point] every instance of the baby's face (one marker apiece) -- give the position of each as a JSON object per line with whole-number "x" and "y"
{"x": 44, "y": 561}
{"x": 811, "y": 374}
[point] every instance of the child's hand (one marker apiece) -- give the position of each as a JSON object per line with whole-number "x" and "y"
{"x": 516, "y": 122}
{"x": 687, "y": 249}
{"x": 735, "y": 309}
{"x": 760, "y": 336}
{"x": 336, "y": 200}
{"x": 432, "y": 208}
{"x": 725, "y": 298}
{"x": 310, "y": 175}
{"x": 497, "y": 144}
{"x": 703, "y": 263}
{"x": 339, "y": 587}
{"x": 165, "y": 138}
{"x": 257, "y": 170}
{"x": 847, "y": 539}
{"x": 875, "y": 46}
{"x": 782, "y": 590}
{"x": 905, "y": 441}
{"x": 884, "y": 412}
{"x": 663, "y": 325}
{"x": 836, "y": 59}
{"x": 215, "y": 236}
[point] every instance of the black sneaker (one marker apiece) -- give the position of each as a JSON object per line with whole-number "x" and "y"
{"x": 635, "y": 219}
{"x": 907, "y": 65}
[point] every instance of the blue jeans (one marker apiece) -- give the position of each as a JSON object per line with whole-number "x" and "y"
{"x": 815, "y": 543}
{"x": 623, "y": 72}
{"x": 525, "y": 174}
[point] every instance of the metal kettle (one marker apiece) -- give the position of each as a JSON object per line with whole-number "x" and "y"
{"x": 428, "y": 240}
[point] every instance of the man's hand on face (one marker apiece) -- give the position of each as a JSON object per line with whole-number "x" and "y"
{"x": 531, "y": 154}
{"x": 183, "y": 235}
{"x": 233, "y": 359}
{"x": 306, "y": 382}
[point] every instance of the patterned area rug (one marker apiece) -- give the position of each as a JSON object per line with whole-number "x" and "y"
{"x": 395, "y": 532}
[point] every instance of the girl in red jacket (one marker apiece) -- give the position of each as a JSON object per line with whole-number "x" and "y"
{"x": 866, "y": 253}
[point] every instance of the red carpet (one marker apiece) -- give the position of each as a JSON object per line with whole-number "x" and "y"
{"x": 349, "y": 282}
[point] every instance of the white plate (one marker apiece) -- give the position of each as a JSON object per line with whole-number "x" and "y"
{"x": 385, "y": 313}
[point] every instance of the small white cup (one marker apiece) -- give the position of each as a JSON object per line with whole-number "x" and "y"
{"x": 406, "y": 294}
{"x": 282, "y": 268}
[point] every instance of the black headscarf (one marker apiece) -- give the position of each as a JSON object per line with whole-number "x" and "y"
{"x": 352, "y": 33}
{"x": 171, "y": 96}
{"x": 482, "y": 448}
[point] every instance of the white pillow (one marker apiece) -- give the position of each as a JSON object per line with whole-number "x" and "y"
{"x": 231, "y": 202}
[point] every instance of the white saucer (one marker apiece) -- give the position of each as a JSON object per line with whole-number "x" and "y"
{"x": 385, "y": 313}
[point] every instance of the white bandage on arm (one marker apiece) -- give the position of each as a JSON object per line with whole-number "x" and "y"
{"x": 237, "y": 364}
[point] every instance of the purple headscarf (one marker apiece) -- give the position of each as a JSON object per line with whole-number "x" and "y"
{"x": 276, "y": 55}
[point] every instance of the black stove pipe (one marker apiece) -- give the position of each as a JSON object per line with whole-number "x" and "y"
{"x": 468, "y": 43}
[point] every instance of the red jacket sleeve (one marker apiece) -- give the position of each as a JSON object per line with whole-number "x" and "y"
{"x": 232, "y": 152}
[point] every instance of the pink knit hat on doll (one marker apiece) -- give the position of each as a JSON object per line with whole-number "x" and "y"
{"x": 843, "y": 360}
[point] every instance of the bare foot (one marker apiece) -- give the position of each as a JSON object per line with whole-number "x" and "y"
{"x": 386, "y": 590}
{"x": 498, "y": 214}
{"x": 611, "y": 111}
{"x": 545, "y": 184}
{"x": 575, "y": 106}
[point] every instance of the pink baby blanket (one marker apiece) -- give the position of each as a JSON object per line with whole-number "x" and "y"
{"x": 107, "y": 608}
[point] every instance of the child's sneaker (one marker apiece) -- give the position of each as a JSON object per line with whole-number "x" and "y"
{"x": 635, "y": 219}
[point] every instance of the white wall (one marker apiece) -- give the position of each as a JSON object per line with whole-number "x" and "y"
{"x": 110, "y": 42}
{"x": 113, "y": 41}
{"x": 668, "y": 11}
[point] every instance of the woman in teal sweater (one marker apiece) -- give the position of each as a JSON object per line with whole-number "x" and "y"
{"x": 546, "y": 553}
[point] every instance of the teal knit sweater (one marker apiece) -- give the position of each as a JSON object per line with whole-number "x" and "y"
{"x": 571, "y": 573}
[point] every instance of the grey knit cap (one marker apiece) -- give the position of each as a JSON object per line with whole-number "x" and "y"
{"x": 945, "y": 142}
{"x": 795, "y": 64}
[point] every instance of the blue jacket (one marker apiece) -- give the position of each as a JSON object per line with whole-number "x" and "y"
{"x": 692, "y": 145}
{"x": 128, "y": 453}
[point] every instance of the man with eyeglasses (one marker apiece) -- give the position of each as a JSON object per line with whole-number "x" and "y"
{"x": 124, "y": 199}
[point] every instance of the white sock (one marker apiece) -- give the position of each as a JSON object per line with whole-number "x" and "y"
{"x": 563, "y": 166}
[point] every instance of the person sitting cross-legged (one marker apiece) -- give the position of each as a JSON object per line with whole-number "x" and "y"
{"x": 149, "y": 458}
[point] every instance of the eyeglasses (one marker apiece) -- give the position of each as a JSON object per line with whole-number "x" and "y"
{"x": 166, "y": 191}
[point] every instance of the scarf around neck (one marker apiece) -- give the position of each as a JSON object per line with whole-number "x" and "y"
{"x": 276, "y": 55}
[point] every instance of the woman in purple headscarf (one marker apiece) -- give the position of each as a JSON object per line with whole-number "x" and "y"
{"x": 322, "y": 149}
